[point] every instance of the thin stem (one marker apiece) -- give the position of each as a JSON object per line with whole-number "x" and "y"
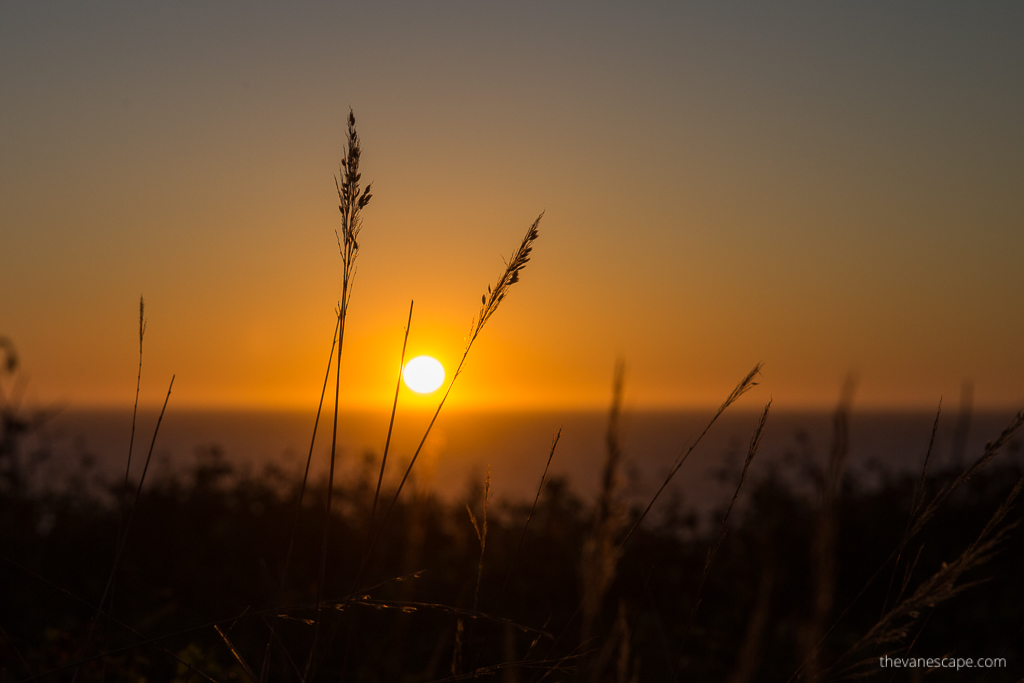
{"x": 740, "y": 389}
{"x": 330, "y": 483}
{"x": 131, "y": 440}
{"x": 127, "y": 527}
{"x": 384, "y": 458}
{"x": 408, "y": 470}
{"x": 755, "y": 444}
{"x": 309, "y": 459}
{"x": 526, "y": 526}
{"x": 135, "y": 411}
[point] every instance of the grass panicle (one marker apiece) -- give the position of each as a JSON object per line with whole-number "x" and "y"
{"x": 495, "y": 295}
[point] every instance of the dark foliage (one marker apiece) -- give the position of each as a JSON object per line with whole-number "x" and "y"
{"x": 208, "y": 548}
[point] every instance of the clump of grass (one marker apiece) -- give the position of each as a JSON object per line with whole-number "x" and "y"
{"x": 894, "y": 626}
{"x": 921, "y": 514}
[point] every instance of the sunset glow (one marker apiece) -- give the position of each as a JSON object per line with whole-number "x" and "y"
{"x": 827, "y": 191}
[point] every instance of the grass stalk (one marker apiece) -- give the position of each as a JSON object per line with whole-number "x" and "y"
{"x": 915, "y": 506}
{"x": 755, "y": 444}
{"x": 481, "y": 535}
{"x": 305, "y": 474}
{"x": 380, "y": 480}
{"x": 351, "y": 201}
{"x": 135, "y": 412}
{"x": 127, "y": 528}
{"x": 131, "y": 439}
{"x": 489, "y": 304}
{"x": 305, "y": 480}
{"x": 743, "y": 387}
{"x": 391, "y": 422}
{"x": 384, "y": 459}
{"x": 533, "y": 509}
{"x": 599, "y": 556}
{"x": 825, "y": 536}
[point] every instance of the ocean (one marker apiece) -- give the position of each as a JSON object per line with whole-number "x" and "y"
{"x": 514, "y": 446}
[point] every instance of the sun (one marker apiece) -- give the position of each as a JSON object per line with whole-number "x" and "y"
{"x": 423, "y": 374}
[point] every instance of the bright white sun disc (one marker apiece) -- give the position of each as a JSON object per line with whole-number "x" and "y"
{"x": 423, "y": 374}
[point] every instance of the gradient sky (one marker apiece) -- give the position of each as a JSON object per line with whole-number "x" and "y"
{"x": 825, "y": 187}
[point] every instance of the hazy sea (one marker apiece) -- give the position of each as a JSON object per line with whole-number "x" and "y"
{"x": 514, "y": 445}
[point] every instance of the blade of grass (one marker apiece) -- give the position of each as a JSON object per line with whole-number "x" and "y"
{"x": 755, "y": 444}
{"x": 236, "y": 654}
{"x": 745, "y": 385}
{"x": 384, "y": 458}
{"x": 135, "y": 411}
{"x": 305, "y": 480}
{"x": 131, "y": 439}
{"x": 376, "y": 494}
{"x": 127, "y": 528}
{"x": 915, "y": 505}
{"x": 533, "y": 509}
{"x": 305, "y": 474}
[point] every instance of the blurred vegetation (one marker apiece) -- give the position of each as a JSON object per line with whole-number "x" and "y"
{"x": 206, "y": 549}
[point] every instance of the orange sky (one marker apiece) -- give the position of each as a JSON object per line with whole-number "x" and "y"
{"x": 825, "y": 189}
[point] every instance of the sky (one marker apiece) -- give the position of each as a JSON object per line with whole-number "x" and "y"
{"x": 827, "y": 188}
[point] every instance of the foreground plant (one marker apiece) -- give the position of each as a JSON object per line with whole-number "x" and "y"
{"x": 351, "y": 201}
